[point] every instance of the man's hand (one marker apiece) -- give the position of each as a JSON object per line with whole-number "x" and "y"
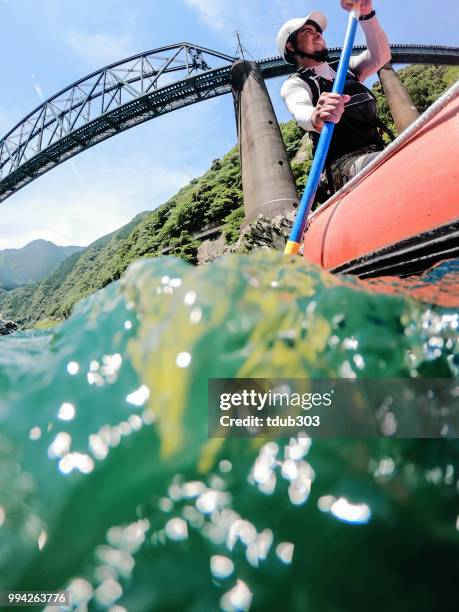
{"x": 365, "y": 6}
{"x": 329, "y": 107}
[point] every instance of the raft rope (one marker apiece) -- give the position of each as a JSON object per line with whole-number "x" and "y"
{"x": 394, "y": 146}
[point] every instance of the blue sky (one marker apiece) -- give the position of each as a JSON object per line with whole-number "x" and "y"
{"x": 47, "y": 44}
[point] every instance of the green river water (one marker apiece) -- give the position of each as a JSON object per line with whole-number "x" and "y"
{"x": 110, "y": 486}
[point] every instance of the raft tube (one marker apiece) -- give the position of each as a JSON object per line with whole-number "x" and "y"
{"x": 400, "y": 215}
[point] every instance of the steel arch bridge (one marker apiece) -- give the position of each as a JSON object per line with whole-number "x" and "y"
{"x": 135, "y": 90}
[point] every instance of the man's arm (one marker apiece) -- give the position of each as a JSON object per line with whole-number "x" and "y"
{"x": 297, "y": 98}
{"x": 329, "y": 107}
{"x": 378, "y": 51}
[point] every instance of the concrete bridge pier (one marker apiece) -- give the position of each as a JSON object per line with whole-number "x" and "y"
{"x": 267, "y": 180}
{"x": 401, "y": 106}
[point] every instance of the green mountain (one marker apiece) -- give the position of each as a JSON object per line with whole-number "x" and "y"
{"x": 32, "y": 263}
{"x": 74, "y": 278}
{"x": 215, "y": 197}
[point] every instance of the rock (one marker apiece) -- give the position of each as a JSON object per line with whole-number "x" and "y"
{"x": 265, "y": 233}
{"x": 7, "y": 327}
{"x": 304, "y": 152}
{"x": 210, "y": 250}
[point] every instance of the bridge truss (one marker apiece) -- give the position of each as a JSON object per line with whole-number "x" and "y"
{"x": 135, "y": 90}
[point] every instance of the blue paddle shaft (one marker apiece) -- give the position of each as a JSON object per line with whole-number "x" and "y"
{"x": 325, "y": 136}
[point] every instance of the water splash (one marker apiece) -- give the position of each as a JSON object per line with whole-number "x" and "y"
{"x": 104, "y": 449}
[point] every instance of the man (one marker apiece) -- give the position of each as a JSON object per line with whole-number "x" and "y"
{"x": 307, "y": 93}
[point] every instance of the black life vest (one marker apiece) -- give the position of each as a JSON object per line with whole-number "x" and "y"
{"x": 358, "y": 126}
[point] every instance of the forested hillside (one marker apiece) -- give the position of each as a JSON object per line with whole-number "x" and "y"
{"x": 215, "y": 197}
{"x": 77, "y": 275}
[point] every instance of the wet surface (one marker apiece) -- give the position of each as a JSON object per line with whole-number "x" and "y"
{"x": 439, "y": 285}
{"x": 110, "y": 486}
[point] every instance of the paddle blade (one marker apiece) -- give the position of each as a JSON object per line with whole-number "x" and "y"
{"x": 292, "y": 248}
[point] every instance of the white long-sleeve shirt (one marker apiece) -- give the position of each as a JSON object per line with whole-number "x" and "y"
{"x": 297, "y": 93}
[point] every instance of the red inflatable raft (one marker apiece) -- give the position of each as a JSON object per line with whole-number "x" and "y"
{"x": 400, "y": 214}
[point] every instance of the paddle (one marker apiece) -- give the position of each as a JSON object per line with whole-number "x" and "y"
{"x": 293, "y": 245}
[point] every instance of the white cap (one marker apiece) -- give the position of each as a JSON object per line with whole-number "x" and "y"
{"x": 293, "y": 25}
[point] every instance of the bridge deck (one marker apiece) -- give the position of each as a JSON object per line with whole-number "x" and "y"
{"x": 135, "y": 90}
